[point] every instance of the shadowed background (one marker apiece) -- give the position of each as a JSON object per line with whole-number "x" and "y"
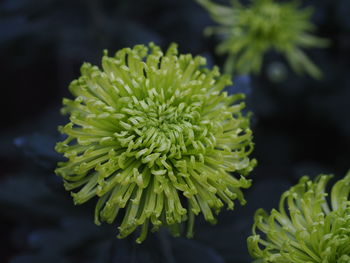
{"x": 301, "y": 126}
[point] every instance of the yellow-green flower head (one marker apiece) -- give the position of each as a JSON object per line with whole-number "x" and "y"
{"x": 250, "y": 31}
{"x": 310, "y": 226}
{"x": 153, "y": 136}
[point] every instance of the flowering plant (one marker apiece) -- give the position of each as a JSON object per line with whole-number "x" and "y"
{"x": 153, "y": 136}
{"x": 309, "y": 226}
{"x": 250, "y": 31}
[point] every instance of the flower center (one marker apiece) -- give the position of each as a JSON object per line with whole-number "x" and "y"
{"x": 163, "y": 128}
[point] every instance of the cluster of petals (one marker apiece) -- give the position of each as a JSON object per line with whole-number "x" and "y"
{"x": 309, "y": 226}
{"x": 155, "y": 138}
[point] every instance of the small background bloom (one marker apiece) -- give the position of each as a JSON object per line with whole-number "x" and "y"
{"x": 249, "y": 31}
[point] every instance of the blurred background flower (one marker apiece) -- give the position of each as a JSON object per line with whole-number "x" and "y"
{"x": 248, "y": 32}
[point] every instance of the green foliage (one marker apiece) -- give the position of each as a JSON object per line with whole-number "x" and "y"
{"x": 310, "y": 226}
{"x": 154, "y": 135}
{"x": 250, "y": 31}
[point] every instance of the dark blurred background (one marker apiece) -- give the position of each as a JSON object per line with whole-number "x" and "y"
{"x": 301, "y": 126}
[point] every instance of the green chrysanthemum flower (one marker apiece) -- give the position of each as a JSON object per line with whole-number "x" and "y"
{"x": 310, "y": 226}
{"x": 155, "y": 139}
{"x": 250, "y": 31}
